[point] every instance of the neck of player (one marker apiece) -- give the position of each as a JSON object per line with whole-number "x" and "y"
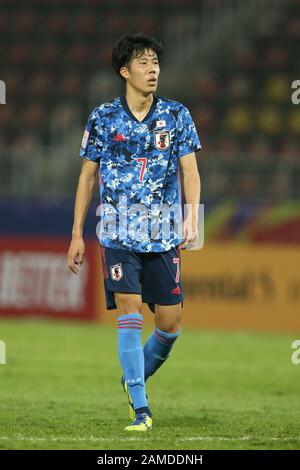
{"x": 138, "y": 103}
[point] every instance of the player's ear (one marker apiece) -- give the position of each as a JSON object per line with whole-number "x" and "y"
{"x": 124, "y": 72}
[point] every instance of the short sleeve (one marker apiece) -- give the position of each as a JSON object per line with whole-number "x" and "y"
{"x": 188, "y": 139}
{"x": 91, "y": 145}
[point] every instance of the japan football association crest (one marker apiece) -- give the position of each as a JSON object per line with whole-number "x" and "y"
{"x": 116, "y": 272}
{"x": 162, "y": 140}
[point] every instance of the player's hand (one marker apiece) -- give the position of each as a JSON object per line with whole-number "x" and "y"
{"x": 76, "y": 254}
{"x": 189, "y": 233}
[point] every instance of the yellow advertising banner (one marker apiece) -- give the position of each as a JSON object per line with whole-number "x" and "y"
{"x": 250, "y": 287}
{"x": 235, "y": 287}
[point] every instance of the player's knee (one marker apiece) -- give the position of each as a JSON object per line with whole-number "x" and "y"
{"x": 168, "y": 320}
{"x": 128, "y": 303}
{"x": 172, "y": 327}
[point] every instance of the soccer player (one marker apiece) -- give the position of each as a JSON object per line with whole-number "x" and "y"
{"x": 133, "y": 145}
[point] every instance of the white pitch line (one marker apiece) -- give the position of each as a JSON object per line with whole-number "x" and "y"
{"x": 245, "y": 438}
{"x": 126, "y": 439}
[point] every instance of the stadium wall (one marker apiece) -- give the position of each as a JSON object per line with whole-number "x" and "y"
{"x": 242, "y": 279}
{"x": 231, "y": 287}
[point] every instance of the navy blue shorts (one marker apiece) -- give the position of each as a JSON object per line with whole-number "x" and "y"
{"x": 156, "y": 276}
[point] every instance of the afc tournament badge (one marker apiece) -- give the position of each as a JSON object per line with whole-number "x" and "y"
{"x": 162, "y": 140}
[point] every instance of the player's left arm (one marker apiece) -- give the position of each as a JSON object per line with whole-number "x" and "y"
{"x": 192, "y": 187}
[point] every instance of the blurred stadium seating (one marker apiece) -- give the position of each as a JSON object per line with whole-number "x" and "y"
{"x": 234, "y": 63}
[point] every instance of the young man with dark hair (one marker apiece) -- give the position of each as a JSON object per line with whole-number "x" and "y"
{"x": 134, "y": 145}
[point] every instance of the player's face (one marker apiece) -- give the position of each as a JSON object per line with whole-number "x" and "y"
{"x": 143, "y": 72}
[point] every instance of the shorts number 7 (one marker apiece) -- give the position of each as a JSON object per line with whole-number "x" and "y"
{"x": 176, "y": 261}
{"x": 143, "y": 161}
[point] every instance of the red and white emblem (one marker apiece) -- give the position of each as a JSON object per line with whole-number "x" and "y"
{"x": 162, "y": 140}
{"x": 116, "y": 272}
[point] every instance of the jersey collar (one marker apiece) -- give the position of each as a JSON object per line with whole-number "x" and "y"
{"x": 127, "y": 110}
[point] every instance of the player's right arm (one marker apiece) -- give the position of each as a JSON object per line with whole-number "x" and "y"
{"x": 87, "y": 179}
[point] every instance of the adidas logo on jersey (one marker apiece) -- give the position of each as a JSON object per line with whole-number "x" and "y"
{"x": 119, "y": 138}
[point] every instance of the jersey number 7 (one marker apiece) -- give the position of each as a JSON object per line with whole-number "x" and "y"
{"x": 143, "y": 161}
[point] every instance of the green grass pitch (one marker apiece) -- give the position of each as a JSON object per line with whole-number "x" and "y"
{"x": 60, "y": 389}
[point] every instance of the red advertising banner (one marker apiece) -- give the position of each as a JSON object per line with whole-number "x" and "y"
{"x": 35, "y": 279}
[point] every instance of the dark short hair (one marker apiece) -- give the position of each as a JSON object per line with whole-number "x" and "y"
{"x": 133, "y": 44}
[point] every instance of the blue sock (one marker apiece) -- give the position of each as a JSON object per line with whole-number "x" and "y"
{"x": 131, "y": 356}
{"x": 157, "y": 349}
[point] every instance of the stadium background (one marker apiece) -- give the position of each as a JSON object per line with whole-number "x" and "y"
{"x": 232, "y": 63}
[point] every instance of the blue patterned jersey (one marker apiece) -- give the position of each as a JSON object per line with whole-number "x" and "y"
{"x": 139, "y": 172}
